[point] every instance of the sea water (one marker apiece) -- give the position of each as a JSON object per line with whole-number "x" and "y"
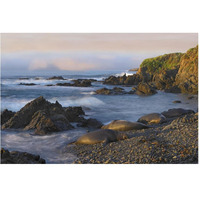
{"x": 104, "y": 108}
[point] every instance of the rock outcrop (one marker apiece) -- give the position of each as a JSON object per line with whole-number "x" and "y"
{"x": 6, "y": 115}
{"x": 40, "y": 115}
{"x": 16, "y": 157}
{"x": 187, "y": 76}
{"x": 145, "y": 89}
{"x": 56, "y": 78}
{"x": 114, "y": 91}
{"x": 77, "y": 83}
{"x": 123, "y": 80}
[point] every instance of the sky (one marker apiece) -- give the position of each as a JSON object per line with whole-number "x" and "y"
{"x": 41, "y": 52}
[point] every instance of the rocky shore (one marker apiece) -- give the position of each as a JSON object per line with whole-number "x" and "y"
{"x": 175, "y": 72}
{"x": 172, "y": 142}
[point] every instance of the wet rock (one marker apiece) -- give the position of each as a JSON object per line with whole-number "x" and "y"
{"x": 177, "y": 101}
{"x": 77, "y": 83}
{"x": 153, "y": 118}
{"x": 16, "y": 157}
{"x": 23, "y": 78}
{"x": 6, "y": 115}
{"x": 114, "y": 91}
{"x": 145, "y": 89}
{"x": 176, "y": 112}
{"x": 56, "y": 78}
{"x": 28, "y": 84}
{"x": 91, "y": 123}
{"x": 74, "y": 114}
{"x": 191, "y": 97}
{"x": 42, "y": 116}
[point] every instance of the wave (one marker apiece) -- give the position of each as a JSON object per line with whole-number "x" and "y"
{"x": 127, "y": 72}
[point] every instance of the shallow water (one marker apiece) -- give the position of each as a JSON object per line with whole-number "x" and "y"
{"x": 102, "y": 107}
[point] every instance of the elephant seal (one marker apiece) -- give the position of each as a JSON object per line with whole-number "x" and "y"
{"x": 153, "y": 118}
{"x": 122, "y": 125}
{"x": 101, "y": 136}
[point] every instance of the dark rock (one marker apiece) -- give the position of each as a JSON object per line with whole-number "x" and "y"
{"x": 191, "y": 97}
{"x": 114, "y": 91}
{"x": 153, "y": 118}
{"x": 173, "y": 89}
{"x": 176, "y": 112}
{"x": 28, "y": 84}
{"x": 177, "y": 101}
{"x": 77, "y": 83}
{"x": 91, "y": 123}
{"x": 6, "y": 115}
{"x": 56, "y": 78}
{"x": 145, "y": 89}
{"x": 73, "y": 114}
{"x": 16, "y": 157}
{"x": 23, "y": 78}
{"x": 42, "y": 116}
{"x": 49, "y": 85}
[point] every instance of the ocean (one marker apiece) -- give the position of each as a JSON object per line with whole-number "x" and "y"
{"x": 104, "y": 108}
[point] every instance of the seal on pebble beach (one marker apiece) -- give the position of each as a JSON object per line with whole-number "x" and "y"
{"x": 101, "y": 136}
{"x": 153, "y": 118}
{"x": 123, "y": 125}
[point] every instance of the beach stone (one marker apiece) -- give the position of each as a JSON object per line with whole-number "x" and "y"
{"x": 122, "y": 125}
{"x": 6, "y": 115}
{"x": 101, "y": 136}
{"x": 153, "y": 118}
{"x": 176, "y": 112}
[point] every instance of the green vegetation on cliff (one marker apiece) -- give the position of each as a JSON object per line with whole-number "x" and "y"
{"x": 164, "y": 62}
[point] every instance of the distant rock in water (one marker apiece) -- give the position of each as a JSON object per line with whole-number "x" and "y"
{"x": 28, "y": 84}
{"x": 114, "y": 91}
{"x": 56, "y": 78}
{"x": 77, "y": 83}
{"x": 123, "y": 80}
{"x": 16, "y": 157}
{"x": 177, "y": 101}
{"x": 6, "y": 115}
{"x": 24, "y": 78}
{"x": 90, "y": 123}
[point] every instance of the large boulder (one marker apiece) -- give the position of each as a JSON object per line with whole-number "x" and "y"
{"x": 6, "y": 115}
{"x": 40, "y": 115}
{"x": 91, "y": 123}
{"x": 176, "y": 112}
{"x": 16, "y": 157}
{"x": 145, "y": 89}
{"x": 122, "y": 125}
{"x": 153, "y": 118}
{"x": 74, "y": 114}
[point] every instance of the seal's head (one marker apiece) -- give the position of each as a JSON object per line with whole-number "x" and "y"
{"x": 122, "y": 136}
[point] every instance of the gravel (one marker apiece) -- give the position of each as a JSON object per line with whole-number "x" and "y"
{"x": 172, "y": 142}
